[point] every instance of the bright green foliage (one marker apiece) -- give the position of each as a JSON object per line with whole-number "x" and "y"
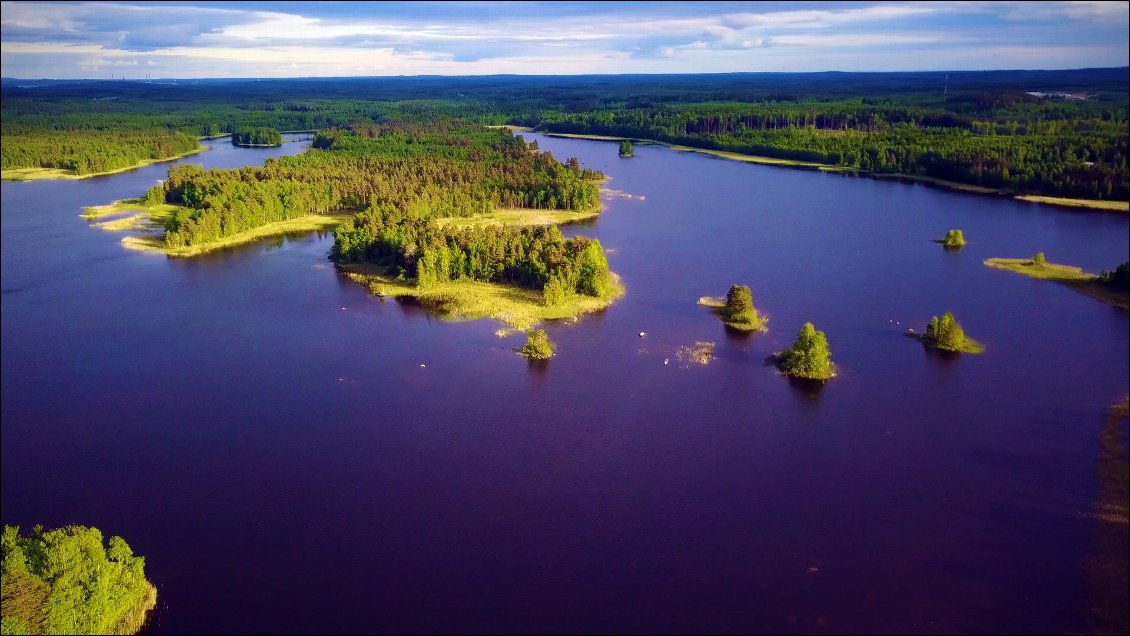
{"x": 809, "y": 356}
{"x": 739, "y": 310}
{"x": 66, "y": 582}
{"x": 537, "y": 258}
{"x": 945, "y": 333}
{"x": 554, "y": 293}
{"x": 91, "y": 151}
{"x": 420, "y": 170}
{"x": 626, "y": 149}
{"x": 538, "y": 346}
{"x": 1039, "y": 260}
{"x": 954, "y": 238}
{"x": 256, "y": 137}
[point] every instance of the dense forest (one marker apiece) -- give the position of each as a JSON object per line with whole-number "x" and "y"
{"x": 423, "y": 170}
{"x": 69, "y": 581}
{"x": 256, "y": 137}
{"x": 89, "y": 151}
{"x": 982, "y": 128}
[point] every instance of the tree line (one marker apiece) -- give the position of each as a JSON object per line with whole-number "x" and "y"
{"x": 538, "y": 258}
{"x": 256, "y": 137}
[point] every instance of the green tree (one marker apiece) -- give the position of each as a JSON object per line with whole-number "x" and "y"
{"x": 538, "y": 346}
{"x": 1039, "y": 260}
{"x": 626, "y": 149}
{"x": 739, "y": 310}
{"x": 809, "y": 356}
{"x": 946, "y": 333}
{"x": 954, "y": 238}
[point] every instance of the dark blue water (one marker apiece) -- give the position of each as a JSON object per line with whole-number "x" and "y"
{"x": 262, "y": 431}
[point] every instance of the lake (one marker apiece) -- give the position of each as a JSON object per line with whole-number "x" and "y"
{"x": 291, "y": 454}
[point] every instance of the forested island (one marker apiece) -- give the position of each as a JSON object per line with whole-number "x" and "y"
{"x": 945, "y": 333}
{"x": 253, "y": 137}
{"x": 71, "y": 581}
{"x": 418, "y": 204}
{"x": 809, "y": 358}
{"x": 736, "y": 310}
{"x": 993, "y": 132}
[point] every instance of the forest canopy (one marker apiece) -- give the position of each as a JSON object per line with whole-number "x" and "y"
{"x": 71, "y": 581}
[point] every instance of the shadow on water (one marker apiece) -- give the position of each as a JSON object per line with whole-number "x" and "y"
{"x": 737, "y": 336}
{"x": 538, "y": 370}
{"x": 1105, "y": 570}
{"x": 807, "y": 390}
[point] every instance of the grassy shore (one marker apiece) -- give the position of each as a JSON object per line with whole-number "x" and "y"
{"x": 148, "y": 222}
{"x": 1074, "y": 277}
{"x": 34, "y": 174}
{"x": 519, "y": 217}
{"x": 518, "y": 307}
{"x": 1115, "y": 206}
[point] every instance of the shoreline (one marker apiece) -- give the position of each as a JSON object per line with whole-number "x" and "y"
{"x": 38, "y": 174}
{"x": 1068, "y": 275}
{"x": 519, "y": 308}
{"x": 134, "y": 215}
{"x": 1102, "y": 205}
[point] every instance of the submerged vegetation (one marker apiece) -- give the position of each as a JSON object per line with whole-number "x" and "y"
{"x": 737, "y": 310}
{"x": 68, "y": 581}
{"x": 809, "y": 358}
{"x": 538, "y": 346}
{"x": 946, "y": 334}
{"x": 700, "y": 353}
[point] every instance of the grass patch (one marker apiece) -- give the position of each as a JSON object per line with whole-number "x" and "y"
{"x": 519, "y": 217}
{"x": 1093, "y": 204}
{"x": 35, "y": 174}
{"x": 1074, "y": 277}
{"x": 518, "y": 307}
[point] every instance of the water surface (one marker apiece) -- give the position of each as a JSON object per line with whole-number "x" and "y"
{"x": 262, "y": 429}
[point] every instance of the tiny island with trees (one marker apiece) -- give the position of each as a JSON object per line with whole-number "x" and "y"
{"x": 736, "y": 310}
{"x": 809, "y": 358}
{"x": 256, "y": 137}
{"x": 954, "y": 239}
{"x": 72, "y": 581}
{"x": 538, "y": 346}
{"x": 946, "y": 334}
{"x": 626, "y": 149}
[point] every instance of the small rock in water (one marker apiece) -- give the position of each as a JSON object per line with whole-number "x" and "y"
{"x": 423, "y": 366}
{"x": 643, "y": 333}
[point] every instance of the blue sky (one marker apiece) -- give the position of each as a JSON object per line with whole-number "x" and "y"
{"x": 308, "y": 39}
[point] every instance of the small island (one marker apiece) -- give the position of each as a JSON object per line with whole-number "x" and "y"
{"x": 946, "y": 334}
{"x": 954, "y": 239}
{"x": 69, "y": 581}
{"x": 538, "y": 346}
{"x": 256, "y": 138}
{"x": 626, "y": 149}
{"x": 737, "y": 310}
{"x": 1109, "y": 287}
{"x": 809, "y": 358}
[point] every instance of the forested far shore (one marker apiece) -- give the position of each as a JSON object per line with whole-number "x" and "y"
{"x": 1000, "y": 130}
